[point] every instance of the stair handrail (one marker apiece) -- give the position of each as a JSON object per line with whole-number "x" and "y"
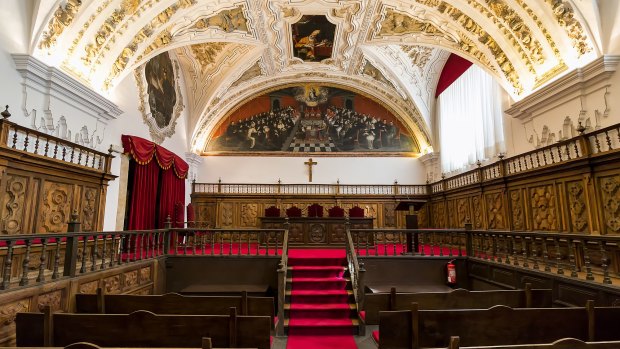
{"x": 356, "y": 271}
{"x": 282, "y": 270}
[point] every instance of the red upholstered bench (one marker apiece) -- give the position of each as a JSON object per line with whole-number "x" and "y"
{"x": 375, "y": 337}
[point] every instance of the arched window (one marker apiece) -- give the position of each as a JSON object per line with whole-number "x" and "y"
{"x": 470, "y": 120}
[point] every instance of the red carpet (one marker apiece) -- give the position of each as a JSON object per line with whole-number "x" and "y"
{"x": 320, "y": 305}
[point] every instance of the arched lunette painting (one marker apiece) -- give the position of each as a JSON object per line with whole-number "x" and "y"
{"x": 311, "y": 118}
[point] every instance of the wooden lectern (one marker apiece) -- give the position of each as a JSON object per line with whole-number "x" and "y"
{"x": 411, "y": 222}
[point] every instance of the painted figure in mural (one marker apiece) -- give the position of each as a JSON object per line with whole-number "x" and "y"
{"x": 161, "y": 90}
{"x": 305, "y": 46}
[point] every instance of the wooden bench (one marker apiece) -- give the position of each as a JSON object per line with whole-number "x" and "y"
{"x": 206, "y": 344}
{"x": 456, "y": 299}
{"x": 498, "y": 325}
{"x": 566, "y": 343}
{"x": 173, "y": 303}
{"x": 142, "y": 329}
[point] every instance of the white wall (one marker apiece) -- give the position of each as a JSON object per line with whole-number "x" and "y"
{"x": 292, "y": 170}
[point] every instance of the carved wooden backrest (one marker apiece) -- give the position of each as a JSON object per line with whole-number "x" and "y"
{"x": 315, "y": 210}
{"x": 293, "y": 211}
{"x": 272, "y": 211}
{"x": 336, "y": 211}
{"x": 356, "y": 212}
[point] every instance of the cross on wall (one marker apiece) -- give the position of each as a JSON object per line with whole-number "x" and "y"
{"x": 310, "y": 163}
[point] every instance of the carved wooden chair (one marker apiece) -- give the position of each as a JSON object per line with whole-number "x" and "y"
{"x": 272, "y": 211}
{"x": 356, "y": 212}
{"x": 293, "y": 211}
{"x": 336, "y": 211}
{"x": 315, "y": 210}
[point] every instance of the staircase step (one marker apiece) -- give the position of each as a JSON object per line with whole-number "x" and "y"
{"x": 321, "y": 322}
{"x": 319, "y": 293}
{"x": 319, "y": 307}
{"x": 317, "y": 279}
{"x": 317, "y": 267}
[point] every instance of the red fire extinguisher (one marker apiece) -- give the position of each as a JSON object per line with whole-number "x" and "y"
{"x": 451, "y": 272}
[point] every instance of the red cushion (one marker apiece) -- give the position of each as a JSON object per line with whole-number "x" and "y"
{"x": 375, "y": 336}
{"x": 363, "y": 315}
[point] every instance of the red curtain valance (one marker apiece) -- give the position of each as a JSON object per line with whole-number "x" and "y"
{"x": 143, "y": 151}
{"x": 455, "y": 67}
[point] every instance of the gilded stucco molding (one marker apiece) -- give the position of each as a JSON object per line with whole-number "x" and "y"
{"x": 565, "y": 17}
{"x": 61, "y": 19}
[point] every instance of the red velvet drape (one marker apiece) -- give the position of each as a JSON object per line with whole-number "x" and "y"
{"x": 152, "y": 197}
{"x": 144, "y": 196}
{"x": 455, "y": 67}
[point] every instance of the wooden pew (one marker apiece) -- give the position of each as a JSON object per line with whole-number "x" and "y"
{"x": 566, "y": 343}
{"x": 142, "y": 329}
{"x": 456, "y": 299}
{"x": 498, "y": 325}
{"x": 173, "y": 303}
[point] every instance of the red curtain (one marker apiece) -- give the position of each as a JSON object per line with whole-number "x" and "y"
{"x": 144, "y": 196}
{"x": 147, "y": 188}
{"x": 455, "y": 67}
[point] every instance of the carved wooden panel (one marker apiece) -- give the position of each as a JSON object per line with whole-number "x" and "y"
{"x": 610, "y": 202}
{"x": 226, "y": 215}
{"x": 130, "y": 279}
{"x": 439, "y": 217}
{"x": 13, "y": 203}
{"x": 462, "y": 210}
{"x": 89, "y": 287}
{"x": 8, "y": 312}
{"x": 112, "y": 284}
{"x": 56, "y": 203}
{"x": 249, "y": 215}
{"x": 543, "y": 204}
{"x": 478, "y": 215}
{"x": 516, "y": 210}
{"x": 495, "y": 210}
{"x": 54, "y": 299}
{"x": 145, "y": 275}
{"x": 389, "y": 215}
{"x": 89, "y": 208}
{"x": 577, "y": 206}
{"x": 206, "y": 213}
{"x": 451, "y": 215}
{"x": 423, "y": 217}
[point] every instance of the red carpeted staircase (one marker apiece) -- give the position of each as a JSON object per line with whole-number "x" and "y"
{"x": 320, "y": 310}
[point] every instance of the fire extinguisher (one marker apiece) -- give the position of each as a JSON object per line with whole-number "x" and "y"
{"x": 451, "y": 272}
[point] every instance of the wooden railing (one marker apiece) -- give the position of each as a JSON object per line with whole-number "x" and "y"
{"x": 309, "y": 189}
{"x": 593, "y": 258}
{"x": 40, "y": 258}
{"x": 39, "y": 144}
{"x": 585, "y": 145}
{"x": 282, "y": 276}
{"x": 356, "y": 273}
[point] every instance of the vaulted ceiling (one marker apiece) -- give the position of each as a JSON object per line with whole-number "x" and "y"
{"x": 390, "y": 50}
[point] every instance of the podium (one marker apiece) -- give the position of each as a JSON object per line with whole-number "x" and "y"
{"x": 411, "y": 222}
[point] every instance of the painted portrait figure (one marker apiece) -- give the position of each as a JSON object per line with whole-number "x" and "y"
{"x": 313, "y": 38}
{"x": 160, "y": 81}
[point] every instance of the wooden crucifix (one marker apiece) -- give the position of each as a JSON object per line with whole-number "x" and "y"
{"x": 310, "y": 163}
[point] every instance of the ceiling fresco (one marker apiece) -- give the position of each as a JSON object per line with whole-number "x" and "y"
{"x": 391, "y": 50}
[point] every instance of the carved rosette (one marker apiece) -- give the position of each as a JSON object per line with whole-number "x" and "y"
{"x": 53, "y": 299}
{"x": 56, "y": 207}
{"x": 495, "y": 209}
{"x": 13, "y": 203}
{"x": 610, "y": 196}
{"x": 542, "y": 202}
{"x": 577, "y": 206}
{"x": 516, "y": 210}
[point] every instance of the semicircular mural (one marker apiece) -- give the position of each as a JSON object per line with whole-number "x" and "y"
{"x": 311, "y": 118}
